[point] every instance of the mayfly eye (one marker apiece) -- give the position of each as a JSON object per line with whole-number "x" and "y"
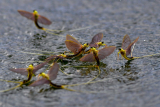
{"x": 102, "y": 42}
{"x": 119, "y": 48}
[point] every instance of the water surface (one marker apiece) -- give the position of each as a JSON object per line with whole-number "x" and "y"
{"x": 127, "y": 84}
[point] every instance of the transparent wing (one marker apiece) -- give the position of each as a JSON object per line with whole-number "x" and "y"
{"x": 88, "y": 58}
{"x": 26, "y": 14}
{"x": 73, "y": 46}
{"x": 126, "y": 42}
{"x": 104, "y": 52}
{"x": 22, "y": 71}
{"x": 97, "y": 38}
{"x": 40, "y": 82}
{"x": 128, "y": 50}
{"x": 69, "y": 37}
{"x": 44, "y": 20}
{"x": 52, "y": 73}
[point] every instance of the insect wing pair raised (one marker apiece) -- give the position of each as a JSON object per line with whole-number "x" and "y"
{"x": 52, "y": 74}
{"x": 31, "y": 16}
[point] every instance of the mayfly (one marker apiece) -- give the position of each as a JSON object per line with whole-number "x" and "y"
{"x": 37, "y": 19}
{"x": 97, "y": 55}
{"x": 75, "y": 46}
{"x": 125, "y": 50}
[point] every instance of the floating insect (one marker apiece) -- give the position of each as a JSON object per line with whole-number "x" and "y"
{"x": 47, "y": 78}
{"x": 37, "y": 18}
{"x": 30, "y": 72}
{"x": 97, "y": 55}
{"x": 55, "y": 58}
{"x": 96, "y": 41}
{"x": 24, "y": 71}
{"x": 74, "y": 46}
{"x": 125, "y": 50}
{"x": 31, "y": 69}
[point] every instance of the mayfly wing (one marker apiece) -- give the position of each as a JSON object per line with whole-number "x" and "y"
{"x": 97, "y": 38}
{"x": 39, "y": 66}
{"x": 69, "y": 37}
{"x": 73, "y": 46}
{"x": 88, "y": 58}
{"x": 104, "y": 52}
{"x": 40, "y": 82}
{"x": 52, "y": 73}
{"x": 126, "y": 42}
{"x": 44, "y": 20}
{"x": 93, "y": 45}
{"x": 128, "y": 50}
{"x": 22, "y": 71}
{"x": 27, "y": 14}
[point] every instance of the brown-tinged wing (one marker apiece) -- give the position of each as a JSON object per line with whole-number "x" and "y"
{"x": 88, "y": 58}
{"x": 22, "y": 71}
{"x": 39, "y": 66}
{"x": 126, "y": 42}
{"x": 104, "y": 52}
{"x": 97, "y": 38}
{"x": 40, "y": 82}
{"x": 52, "y": 73}
{"x": 128, "y": 50}
{"x": 27, "y": 14}
{"x": 93, "y": 45}
{"x": 73, "y": 46}
{"x": 69, "y": 37}
{"x": 44, "y": 20}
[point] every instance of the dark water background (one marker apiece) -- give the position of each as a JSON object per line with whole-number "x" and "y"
{"x": 127, "y": 84}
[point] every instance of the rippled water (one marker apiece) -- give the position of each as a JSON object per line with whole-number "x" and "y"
{"x": 127, "y": 84}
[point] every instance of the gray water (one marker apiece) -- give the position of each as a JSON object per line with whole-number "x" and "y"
{"x": 126, "y": 84}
